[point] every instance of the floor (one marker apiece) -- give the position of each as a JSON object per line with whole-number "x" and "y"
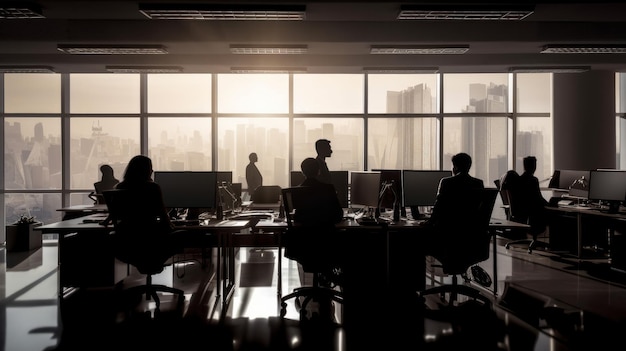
{"x": 544, "y": 302}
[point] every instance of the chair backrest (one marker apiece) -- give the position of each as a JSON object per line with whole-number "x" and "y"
{"x": 472, "y": 245}
{"x": 266, "y": 194}
{"x": 294, "y": 198}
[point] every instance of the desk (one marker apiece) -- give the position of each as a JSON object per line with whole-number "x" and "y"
{"x": 585, "y": 221}
{"x": 82, "y": 210}
{"x": 95, "y": 233}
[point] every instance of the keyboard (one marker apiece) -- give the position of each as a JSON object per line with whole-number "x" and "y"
{"x": 184, "y": 222}
{"x": 371, "y": 221}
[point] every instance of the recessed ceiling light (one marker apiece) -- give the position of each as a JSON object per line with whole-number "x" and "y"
{"x": 465, "y": 12}
{"x": 558, "y": 69}
{"x": 244, "y": 12}
{"x": 401, "y": 69}
{"x": 268, "y": 70}
{"x": 144, "y": 69}
{"x": 26, "y": 69}
{"x": 268, "y": 49}
{"x": 584, "y": 49}
{"x": 19, "y": 10}
{"x": 92, "y": 49}
{"x": 419, "y": 50}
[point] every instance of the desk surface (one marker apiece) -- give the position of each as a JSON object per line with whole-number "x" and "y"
{"x": 88, "y": 223}
{"x": 85, "y": 208}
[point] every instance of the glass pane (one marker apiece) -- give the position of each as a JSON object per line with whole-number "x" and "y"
{"x": 403, "y": 143}
{"x": 621, "y": 145}
{"x": 346, "y": 141}
{"x": 253, "y": 93}
{"x": 267, "y": 137}
{"x": 180, "y": 144}
{"x": 328, "y": 93}
{"x": 42, "y": 206}
{"x": 104, "y": 93}
{"x": 534, "y": 138}
{"x": 483, "y": 138}
{"x": 98, "y": 141}
{"x": 32, "y": 93}
{"x": 402, "y": 93}
{"x": 469, "y": 93}
{"x": 179, "y": 93}
{"x": 32, "y": 153}
{"x": 621, "y": 92}
{"x": 534, "y": 92}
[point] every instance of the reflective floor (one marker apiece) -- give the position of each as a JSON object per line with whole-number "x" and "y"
{"x": 544, "y": 302}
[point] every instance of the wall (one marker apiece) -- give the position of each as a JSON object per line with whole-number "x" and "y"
{"x": 584, "y": 120}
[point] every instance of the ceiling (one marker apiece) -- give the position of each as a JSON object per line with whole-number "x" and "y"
{"x": 338, "y": 36}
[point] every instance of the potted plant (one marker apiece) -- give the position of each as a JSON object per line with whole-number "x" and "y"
{"x": 21, "y": 235}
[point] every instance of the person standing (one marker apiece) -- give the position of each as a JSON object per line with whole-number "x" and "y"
{"x": 323, "y": 149}
{"x": 253, "y": 175}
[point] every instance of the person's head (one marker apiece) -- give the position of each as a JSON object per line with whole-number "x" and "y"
{"x": 461, "y": 163}
{"x": 107, "y": 171}
{"x": 310, "y": 167}
{"x": 322, "y": 147}
{"x": 139, "y": 169}
{"x": 530, "y": 164}
{"x": 253, "y": 157}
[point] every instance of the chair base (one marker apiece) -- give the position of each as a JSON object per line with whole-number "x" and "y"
{"x": 454, "y": 290}
{"x": 309, "y": 293}
{"x": 532, "y": 244}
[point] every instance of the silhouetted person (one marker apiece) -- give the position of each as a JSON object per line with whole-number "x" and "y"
{"x": 455, "y": 195}
{"x": 323, "y": 149}
{"x": 530, "y": 203}
{"x": 253, "y": 175}
{"x": 107, "y": 182}
{"x": 153, "y": 225}
{"x": 323, "y": 208}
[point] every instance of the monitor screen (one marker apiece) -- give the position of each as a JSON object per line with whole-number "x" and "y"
{"x": 565, "y": 178}
{"x": 420, "y": 186}
{"x": 393, "y": 177}
{"x": 224, "y": 177}
{"x": 607, "y": 185}
{"x": 296, "y": 178}
{"x": 186, "y": 189}
{"x": 340, "y": 181}
{"x": 364, "y": 189}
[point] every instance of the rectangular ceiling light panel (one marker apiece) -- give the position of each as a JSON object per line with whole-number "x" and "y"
{"x": 464, "y": 12}
{"x": 144, "y": 69}
{"x": 555, "y": 69}
{"x": 233, "y": 12}
{"x": 268, "y": 49}
{"x": 89, "y": 49}
{"x": 419, "y": 50}
{"x": 26, "y": 69}
{"x": 19, "y": 10}
{"x": 584, "y": 49}
{"x": 392, "y": 70}
{"x": 268, "y": 70}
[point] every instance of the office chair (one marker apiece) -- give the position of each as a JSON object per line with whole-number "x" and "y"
{"x": 468, "y": 248}
{"x": 511, "y": 196}
{"x": 149, "y": 257}
{"x": 302, "y": 243}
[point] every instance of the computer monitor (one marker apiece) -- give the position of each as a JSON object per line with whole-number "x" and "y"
{"x": 608, "y": 186}
{"x": 420, "y": 186}
{"x": 565, "y": 178}
{"x": 224, "y": 177}
{"x": 392, "y": 178}
{"x": 364, "y": 189}
{"x": 188, "y": 189}
{"x": 340, "y": 181}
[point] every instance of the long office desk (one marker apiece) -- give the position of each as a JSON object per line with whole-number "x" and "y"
{"x": 87, "y": 228}
{"x": 588, "y": 222}
{"x": 393, "y": 234}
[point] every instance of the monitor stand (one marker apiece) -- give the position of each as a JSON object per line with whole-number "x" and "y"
{"x": 613, "y": 207}
{"x": 193, "y": 213}
{"x": 415, "y": 212}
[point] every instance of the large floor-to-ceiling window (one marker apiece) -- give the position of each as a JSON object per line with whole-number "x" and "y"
{"x": 60, "y": 128}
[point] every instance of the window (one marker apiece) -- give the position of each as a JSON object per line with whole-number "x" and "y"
{"x": 180, "y": 143}
{"x": 328, "y": 93}
{"x": 104, "y": 93}
{"x": 179, "y": 93}
{"x": 253, "y": 93}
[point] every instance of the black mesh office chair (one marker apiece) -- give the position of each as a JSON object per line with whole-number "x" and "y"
{"x": 303, "y": 244}
{"x": 516, "y": 213}
{"x": 149, "y": 257}
{"x": 470, "y": 247}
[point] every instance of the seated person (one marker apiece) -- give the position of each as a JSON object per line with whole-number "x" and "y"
{"x": 529, "y": 202}
{"x": 107, "y": 182}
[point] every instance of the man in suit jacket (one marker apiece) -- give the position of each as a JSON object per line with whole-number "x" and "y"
{"x": 456, "y": 195}
{"x": 530, "y": 204}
